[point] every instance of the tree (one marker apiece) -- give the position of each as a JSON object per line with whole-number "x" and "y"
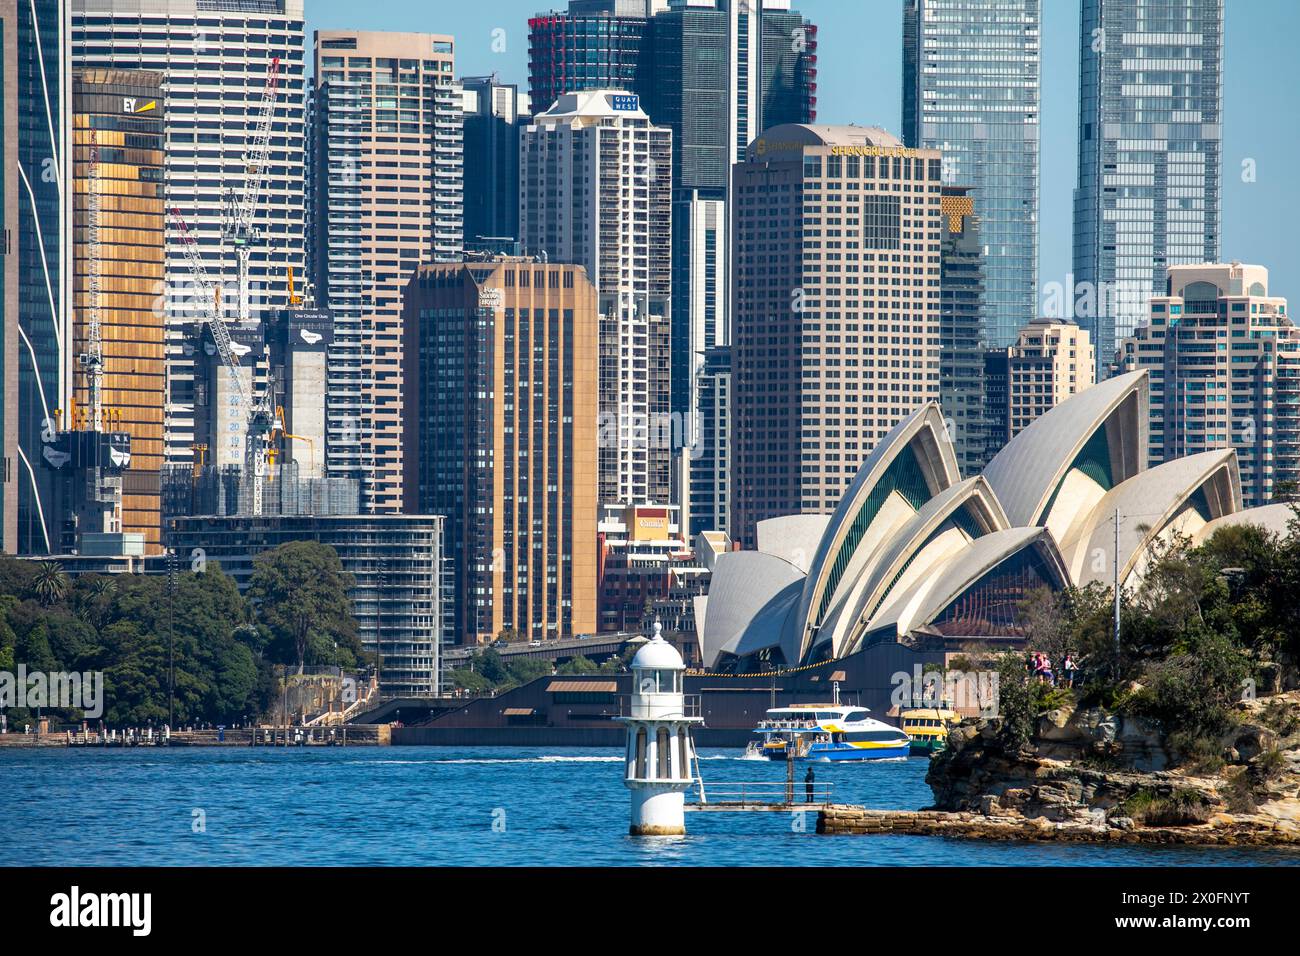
{"x": 50, "y": 583}
{"x": 300, "y": 594}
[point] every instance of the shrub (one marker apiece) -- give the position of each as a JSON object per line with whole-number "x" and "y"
{"x": 1179, "y": 809}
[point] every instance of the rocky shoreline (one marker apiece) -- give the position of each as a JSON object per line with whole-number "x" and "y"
{"x": 1089, "y": 776}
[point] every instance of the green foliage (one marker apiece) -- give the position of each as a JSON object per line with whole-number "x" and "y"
{"x": 1016, "y": 704}
{"x": 1201, "y": 623}
{"x": 578, "y": 665}
{"x": 300, "y": 592}
{"x": 1177, "y": 809}
{"x": 131, "y": 627}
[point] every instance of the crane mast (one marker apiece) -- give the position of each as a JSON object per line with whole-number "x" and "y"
{"x": 239, "y": 229}
{"x": 94, "y": 357}
{"x": 241, "y": 210}
{"x": 256, "y": 413}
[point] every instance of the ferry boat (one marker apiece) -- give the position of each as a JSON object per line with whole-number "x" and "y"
{"x": 827, "y": 732}
{"x": 927, "y": 727}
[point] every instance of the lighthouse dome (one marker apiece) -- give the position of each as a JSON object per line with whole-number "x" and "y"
{"x": 658, "y": 654}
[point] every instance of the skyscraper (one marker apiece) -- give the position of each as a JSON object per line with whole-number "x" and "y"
{"x": 835, "y": 332}
{"x": 1224, "y": 364}
{"x": 717, "y": 73}
{"x": 961, "y": 332}
{"x": 493, "y": 115}
{"x": 501, "y": 397}
{"x": 724, "y": 70}
{"x": 594, "y": 46}
{"x": 119, "y": 120}
{"x": 595, "y": 190}
{"x": 37, "y": 277}
{"x": 215, "y": 57}
{"x": 971, "y": 90}
{"x": 1150, "y": 132}
{"x": 387, "y": 184}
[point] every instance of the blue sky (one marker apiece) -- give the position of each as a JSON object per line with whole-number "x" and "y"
{"x": 859, "y": 81}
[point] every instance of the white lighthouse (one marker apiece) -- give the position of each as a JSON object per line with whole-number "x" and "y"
{"x": 659, "y": 748}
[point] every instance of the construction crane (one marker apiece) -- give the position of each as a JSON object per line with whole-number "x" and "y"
{"x": 255, "y": 412}
{"x": 239, "y": 228}
{"x": 93, "y": 358}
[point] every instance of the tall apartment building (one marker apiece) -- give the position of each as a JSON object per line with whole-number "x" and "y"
{"x": 595, "y": 190}
{"x": 396, "y": 564}
{"x": 1224, "y": 363}
{"x": 835, "y": 332}
{"x": 37, "y": 266}
{"x": 961, "y": 330}
{"x": 214, "y": 56}
{"x": 708, "y": 458}
{"x": 971, "y": 89}
{"x": 1049, "y": 361}
{"x": 387, "y": 196}
{"x": 493, "y": 114}
{"x": 502, "y": 393}
{"x": 118, "y": 133}
{"x": 1150, "y": 152}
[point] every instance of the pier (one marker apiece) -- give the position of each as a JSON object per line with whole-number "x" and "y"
{"x": 346, "y": 735}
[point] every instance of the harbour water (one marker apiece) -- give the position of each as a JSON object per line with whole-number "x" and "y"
{"x": 427, "y": 806}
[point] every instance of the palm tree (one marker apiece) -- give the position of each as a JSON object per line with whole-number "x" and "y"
{"x": 50, "y": 583}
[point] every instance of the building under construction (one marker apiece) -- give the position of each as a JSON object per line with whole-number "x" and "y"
{"x": 109, "y": 454}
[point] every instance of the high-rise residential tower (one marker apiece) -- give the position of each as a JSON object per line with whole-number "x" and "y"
{"x": 215, "y": 57}
{"x": 595, "y": 190}
{"x": 501, "y": 398}
{"x": 1150, "y": 139}
{"x": 1224, "y": 364}
{"x": 37, "y": 267}
{"x": 835, "y": 331}
{"x": 119, "y": 129}
{"x": 971, "y": 90}
{"x": 1049, "y": 361}
{"x": 387, "y": 196}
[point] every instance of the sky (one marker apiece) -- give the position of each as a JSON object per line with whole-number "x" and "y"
{"x": 859, "y": 62}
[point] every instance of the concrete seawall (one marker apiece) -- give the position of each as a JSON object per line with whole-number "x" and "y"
{"x": 1224, "y": 830}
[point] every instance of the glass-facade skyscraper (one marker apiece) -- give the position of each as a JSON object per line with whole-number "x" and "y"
{"x": 37, "y": 273}
{"x": 1150, "y": 132}
{"x": 971, "y": 89}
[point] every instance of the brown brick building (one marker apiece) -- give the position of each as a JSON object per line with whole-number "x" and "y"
{"x": 500, "y": 400}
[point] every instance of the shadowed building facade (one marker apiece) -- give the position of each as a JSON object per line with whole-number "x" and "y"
{"x": 500, "y": 371}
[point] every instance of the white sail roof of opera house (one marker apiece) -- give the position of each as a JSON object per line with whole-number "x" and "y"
{"x": 750, "y": 596}
{"x": 914, "y": 550}
{"x": 920, "y": 605}
{"x": 943, "y": 526}
{"x": 1178, "y": 497}
{"x": 910, "y": 465}
{"x": 1275, "y": 518}
{"x": 1068, "y": 457}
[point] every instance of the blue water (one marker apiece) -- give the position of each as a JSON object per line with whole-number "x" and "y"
{"x": 438, "y": 806}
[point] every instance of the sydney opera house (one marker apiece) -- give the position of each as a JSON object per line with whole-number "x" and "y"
{"x": 916, "y": 557}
